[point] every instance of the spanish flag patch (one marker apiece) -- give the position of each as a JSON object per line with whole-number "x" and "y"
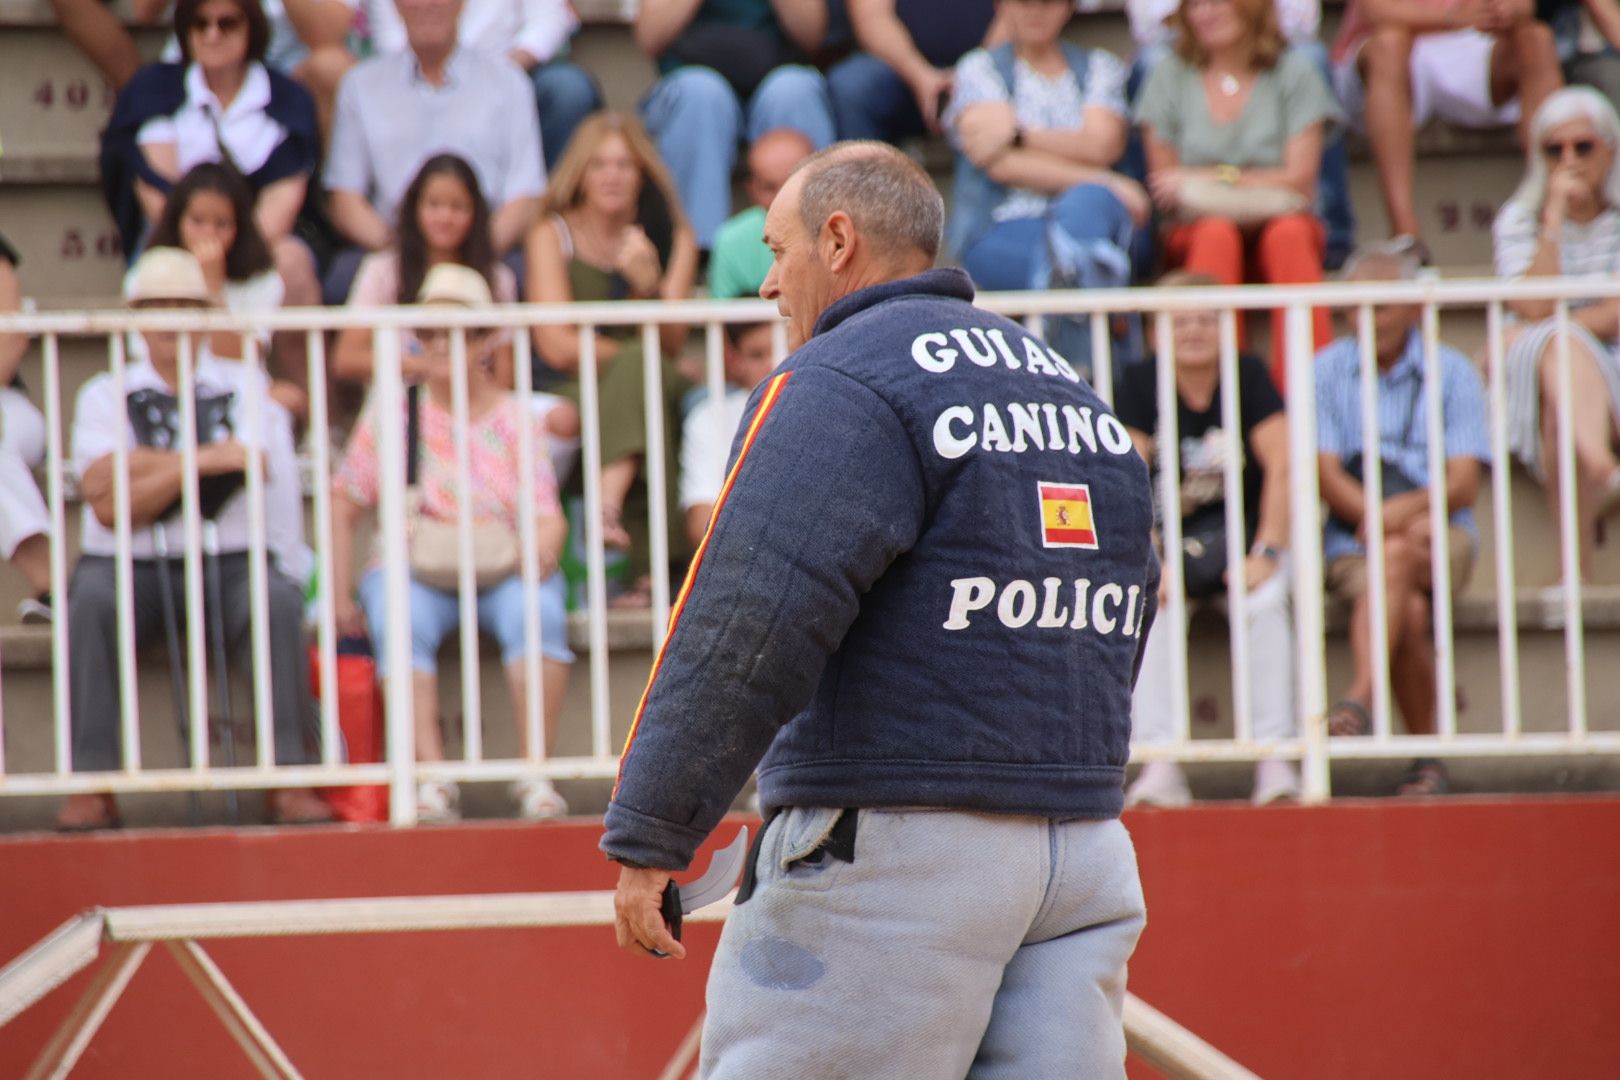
{"x": 1066, "y": 519}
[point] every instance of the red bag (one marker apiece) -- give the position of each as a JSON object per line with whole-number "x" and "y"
{"x": 360, "y": 718}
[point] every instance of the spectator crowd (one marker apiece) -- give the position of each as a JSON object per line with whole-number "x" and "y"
{"x": 381, "y": 152}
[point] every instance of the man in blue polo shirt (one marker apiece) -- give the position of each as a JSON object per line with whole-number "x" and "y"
{"x": 1403, "y": 451}
{"x": 924, "y": 589}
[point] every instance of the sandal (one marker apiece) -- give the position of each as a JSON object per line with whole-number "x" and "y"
{"x": 1426, "y": 777}
{"x": 538, "y": 800}
{"x": 637, "y": 596}
{"x": 1347, "y": 717}
{"x": 88, "y": 813}
{"x": 437, "y": 801}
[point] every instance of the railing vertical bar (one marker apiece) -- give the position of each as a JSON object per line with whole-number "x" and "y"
{"x": 325, "y": 600}
{"x": 657, "y": 479}
{"x": 1372, "y": 478}
{"x": 1167, "y": 441}
{"x": 196, "y": 613}
{"x": 258, "y": 565}
{"x": 400, "y": 709}
{"x": 1507, "y": 628}
{"x": 595, "y": 559}
{"x": 472, "y": 722}
{"x": 62, "y": 700}
{"x": 1569, "y": 531}
{"x": 533, "y": 705}
{"x": 1237, "y": 587}
{"x": 124, "y": 576}
{"x": 1306, "y": 545}
{"x": 779, "y": 345}
{"x": 714, "y": 364}
{"x": 1445, "y": 667}
{"x": 1036, "y": 325}
{"x": 1102, "y": 358}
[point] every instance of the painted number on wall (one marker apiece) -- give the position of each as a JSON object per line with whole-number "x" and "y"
{"x": 74, "y": 95}
{"x": 1476, "y": 217}
{"x": 79, "y": 243}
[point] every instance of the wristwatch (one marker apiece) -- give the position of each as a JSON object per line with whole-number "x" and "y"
{"x": 1267, "y": 551}
{"x": 1228, "y": 174}
{"x": 1017, "y": 139}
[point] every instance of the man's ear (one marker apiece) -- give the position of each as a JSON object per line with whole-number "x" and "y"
{"x": 838, "y": 241}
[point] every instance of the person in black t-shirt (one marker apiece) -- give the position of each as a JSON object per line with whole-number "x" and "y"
{"x": 1203, "y": 446}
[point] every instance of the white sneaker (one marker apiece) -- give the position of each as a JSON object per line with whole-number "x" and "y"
{"x": 538, "y": 800}
{"x": 437, "y": 801}
{"x": 1160, "y": 783}
{"x": 1275, "y": 780}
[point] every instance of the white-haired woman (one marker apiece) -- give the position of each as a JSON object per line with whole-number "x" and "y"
{"x": 1565, "y": 220}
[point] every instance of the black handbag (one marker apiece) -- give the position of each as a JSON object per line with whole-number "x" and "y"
{"x": 1203, "y": 552}
{"x": 1392, "y": 479}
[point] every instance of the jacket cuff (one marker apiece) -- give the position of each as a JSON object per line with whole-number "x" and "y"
{"x": 634, "y": 837}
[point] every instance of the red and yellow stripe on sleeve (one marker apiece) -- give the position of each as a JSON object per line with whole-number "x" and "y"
{"x": 768, "y": 401}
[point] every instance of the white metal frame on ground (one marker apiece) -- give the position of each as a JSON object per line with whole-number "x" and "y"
{"x": 1311, "y": 745}
{"x": 130, "y": 933}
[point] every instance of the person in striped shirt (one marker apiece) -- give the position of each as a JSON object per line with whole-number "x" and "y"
{"x": 1403, "y": 451}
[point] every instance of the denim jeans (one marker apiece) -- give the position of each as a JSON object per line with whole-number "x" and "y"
{"x": 697, "y": 121}
{"x": 435, "y": 613}
{"x": 956, "y": 944}
{"x": 871, "y": 102}
{"x": 565, "y": 94}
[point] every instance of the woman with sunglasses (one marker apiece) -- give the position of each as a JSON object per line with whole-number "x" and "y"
{"x": 1565, "y": 220}
{"x": 220, "y": 103}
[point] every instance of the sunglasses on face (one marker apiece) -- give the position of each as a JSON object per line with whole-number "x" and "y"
{"x": 225, "y": 24}
{"x": 1555, "y": 151}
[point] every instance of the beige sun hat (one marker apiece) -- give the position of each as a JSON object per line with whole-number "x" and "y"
{"x": 452, "y": 283}
{"x": 166, "y": 273}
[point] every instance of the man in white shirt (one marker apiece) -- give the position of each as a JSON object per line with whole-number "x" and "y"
{"x": 534, "y": 35}
{"x": 709, "y": 429}
{"x": 146, "y": 417}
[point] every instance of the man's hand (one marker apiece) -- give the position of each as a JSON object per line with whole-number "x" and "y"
{"x": 986, "y": 131}
{"x": 214, "y": 459}
{"x": 1257, "y": 570}
{"x": 1401, "y": 512}
{"x": 1498, "y": 16}
{"x": 638, "y": 920}
{"x": 927, "y": 89}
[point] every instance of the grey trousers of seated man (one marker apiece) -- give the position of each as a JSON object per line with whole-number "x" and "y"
{"x": 955, "y": 945}
{"x": 93, "y": 652}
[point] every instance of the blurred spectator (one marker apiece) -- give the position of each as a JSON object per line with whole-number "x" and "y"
{"x": 730, "y": 69}
{"x": 220, "y": 104}
{"x": 1403, "y": 451}
{"x": 1565, "y": 219}
{"x": 210, "y": 214}
{"x": 1397, "y": 64}
{"x": 395, "y": 112}
{"x": 1203, "y": 446}
{"x": 611, "y": 229}
{"x": 710, "y": 428}
{"x": 740, "y": 260}
{"x": 533, "y": 34}
{"x": 443, "y": 219}
{"x": 1233, "y": 124}
{"x": 1299, "y": 22}
{"x": 25, "y": 526}
{"x": 201, "y": 216}
{"x": 307, "y": 41}
{"x": 1036, "y": 124}
{"x": 899, "y": 85}
{"x": 1585, "y": 32}
{"x": 147, "y": 419}
{"x": 493, "y": 440}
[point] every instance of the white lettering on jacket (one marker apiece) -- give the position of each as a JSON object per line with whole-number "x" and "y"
{"x": 1018, "y": 601}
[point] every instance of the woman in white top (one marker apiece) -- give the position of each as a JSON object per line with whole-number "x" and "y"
{"x": 1565, "y": 220}
{"x": 24, "y": 523}
{"x": 220, "y": 104}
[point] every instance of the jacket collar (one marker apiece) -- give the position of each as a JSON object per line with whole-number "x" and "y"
{"x": 950, "y": 283}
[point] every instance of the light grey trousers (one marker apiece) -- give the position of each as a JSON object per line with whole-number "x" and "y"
{"x": 955, "y": 945}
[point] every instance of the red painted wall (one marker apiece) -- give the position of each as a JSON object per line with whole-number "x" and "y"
{"x": 1460, "y": 938}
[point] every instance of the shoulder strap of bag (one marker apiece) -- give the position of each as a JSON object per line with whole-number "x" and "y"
{"x": 413, "y": 433}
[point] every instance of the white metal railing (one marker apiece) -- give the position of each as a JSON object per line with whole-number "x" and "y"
{"x": 130, "y": 933}
{"x": 1311, "y": 746}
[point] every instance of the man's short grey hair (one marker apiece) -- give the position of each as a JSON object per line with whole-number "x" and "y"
{"x": 1384, "y": 260}
{"x": 886, "y": 194}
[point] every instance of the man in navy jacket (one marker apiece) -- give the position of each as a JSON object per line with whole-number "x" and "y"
{"x": 924, "y": 590}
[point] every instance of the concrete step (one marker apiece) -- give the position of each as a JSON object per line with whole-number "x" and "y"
{"x": 69, "y": 246}
{"x": 56, "y": 102}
